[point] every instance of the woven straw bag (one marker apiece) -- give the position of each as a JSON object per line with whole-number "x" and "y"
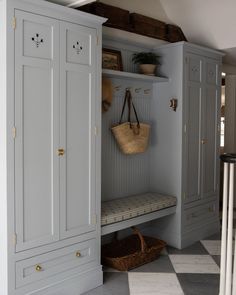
{"x": 131, "y": 137}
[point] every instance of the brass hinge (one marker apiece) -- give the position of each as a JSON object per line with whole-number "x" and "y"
{"x": 15, "y": 239}
{"x": 95, "y": 130}
{"x": 185, "y": 128}
{"x": 14, "y": 23}
{"x": 14, "y": 132}
{"x": 94, "y": 219}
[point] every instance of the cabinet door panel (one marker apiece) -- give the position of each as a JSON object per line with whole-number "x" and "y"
{"x": 77, "y": 167}
{"x": 194, "y": 71}
{"x": 193, "y": 147}
{"x": 211, "y": 72}
{"x": 209, "y": 158}
{"x": 37, "y": 137}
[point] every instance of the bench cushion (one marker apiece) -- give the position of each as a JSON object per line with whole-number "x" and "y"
{"x": 129, "y": 207}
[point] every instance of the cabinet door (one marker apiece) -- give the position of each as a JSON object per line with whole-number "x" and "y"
{"x": 77, "y": 105}
{"x": 193, "y": 117}
{"x": 210, "y": 138}
{"x": 37, "y": 130}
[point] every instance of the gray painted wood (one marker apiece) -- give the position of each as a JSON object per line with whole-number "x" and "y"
{"x": 197, "y": 91}
{"x": 193, "y": 129}
{"x": 29, "y": 219}
{"x": 124, "y": 175}
{"x": 37, "y": 123}
{"x": 77, "y": 130}
{"x": 110, "y": 228}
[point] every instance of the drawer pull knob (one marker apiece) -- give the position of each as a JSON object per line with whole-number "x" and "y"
{"x": 38, "y": 268}
{"x": 78, "y": 254}
{"x": 60, "y": 152}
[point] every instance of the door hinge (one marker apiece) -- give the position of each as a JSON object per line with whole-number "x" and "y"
{"x": 15, "y": 239}
{"x": 95, "y": 130}
{"x": 219, "y": 127}
{"x": 14, "y": 132}
{"x": 185, "y": 128}
{"x": 97, "y": 40}
{"x": 14, "y": 23}
{"x": 186, "y": 60}
{"x": 184, "y": 196}
{"x": 94, "y": 219}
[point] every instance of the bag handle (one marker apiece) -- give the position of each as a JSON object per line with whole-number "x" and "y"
{"x": 128, "y": 100}
{"x": 142, "y": 241}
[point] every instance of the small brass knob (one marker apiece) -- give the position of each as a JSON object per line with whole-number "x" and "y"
{"x": 60, "y": 152}
{"x": 38, "y": 268}
{"x": 203, "y": 141}
{"x": 78, "y": 254}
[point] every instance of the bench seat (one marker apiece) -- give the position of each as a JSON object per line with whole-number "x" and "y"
{"x": 128, "y": 211}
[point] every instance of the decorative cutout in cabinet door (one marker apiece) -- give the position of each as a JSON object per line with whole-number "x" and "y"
{"x": 211, "y": 73}
{"x": 37, "y": 40}
{"x": 78, "y": 47}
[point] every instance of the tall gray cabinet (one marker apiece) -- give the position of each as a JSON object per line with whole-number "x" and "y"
{"x": 185, "y": 146}
{"x": 50, "y": 74}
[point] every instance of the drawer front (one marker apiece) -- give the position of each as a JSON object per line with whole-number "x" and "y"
{"x": 49, "y": 264}
{"x": 197, "y": 215}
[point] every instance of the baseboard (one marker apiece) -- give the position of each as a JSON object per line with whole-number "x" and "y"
{"x": 200, "y": 233}
{"x": 75, "y": 285}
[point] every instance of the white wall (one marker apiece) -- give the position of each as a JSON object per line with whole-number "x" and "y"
{"x": 230, "y": 114}
{"x": 229, "y": 69}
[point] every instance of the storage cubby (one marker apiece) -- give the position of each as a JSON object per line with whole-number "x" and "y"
{"x": 169, "y": 165}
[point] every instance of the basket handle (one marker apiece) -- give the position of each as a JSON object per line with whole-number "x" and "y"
{"x": 128, "y": 100}
{"x": 143, "y": 243}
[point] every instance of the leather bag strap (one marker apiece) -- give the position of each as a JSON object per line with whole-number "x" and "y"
{"x": 129, "y": 101}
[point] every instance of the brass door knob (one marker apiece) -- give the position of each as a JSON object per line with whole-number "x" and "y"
{"x": 60, "y": 152}
{"x": 38, "y": 268}
{"x": 78, "y": 254}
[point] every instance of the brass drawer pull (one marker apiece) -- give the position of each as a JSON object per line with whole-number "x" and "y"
{"x": 60, "y": 152}
{"x": 78, "y": 254}
{"x": 38, "y": 268}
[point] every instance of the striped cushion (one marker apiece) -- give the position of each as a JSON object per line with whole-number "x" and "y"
{"x": 125, "y": 208}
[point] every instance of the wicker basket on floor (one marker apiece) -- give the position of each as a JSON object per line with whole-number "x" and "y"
{"x": 132, "y": 251}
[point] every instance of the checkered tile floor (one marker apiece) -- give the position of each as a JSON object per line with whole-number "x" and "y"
{"x": 191, "y": 271}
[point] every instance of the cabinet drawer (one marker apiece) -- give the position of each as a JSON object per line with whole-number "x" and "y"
{"x": 49, "y": 264}
{"x": 196, "y": 215}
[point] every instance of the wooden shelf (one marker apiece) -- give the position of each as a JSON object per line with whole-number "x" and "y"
{"x": 133, "y": 76}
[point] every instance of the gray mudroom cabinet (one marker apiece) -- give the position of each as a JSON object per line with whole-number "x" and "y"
{"x": 50, "y": 113}
{"x": 186, "y": 149}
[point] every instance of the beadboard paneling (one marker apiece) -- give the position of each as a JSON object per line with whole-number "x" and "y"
{"x": 124, "y": 175}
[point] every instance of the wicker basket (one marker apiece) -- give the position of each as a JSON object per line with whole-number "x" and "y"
{"x": 132, "y": 251}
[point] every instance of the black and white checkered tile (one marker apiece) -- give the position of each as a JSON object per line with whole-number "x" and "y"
{"x": 191, "y": 271}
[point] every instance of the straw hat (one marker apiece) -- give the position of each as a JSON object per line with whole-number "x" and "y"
{"x": 107, "y": 94}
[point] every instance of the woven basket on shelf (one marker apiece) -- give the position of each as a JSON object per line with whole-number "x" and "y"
{"x": 132, "y": 251}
